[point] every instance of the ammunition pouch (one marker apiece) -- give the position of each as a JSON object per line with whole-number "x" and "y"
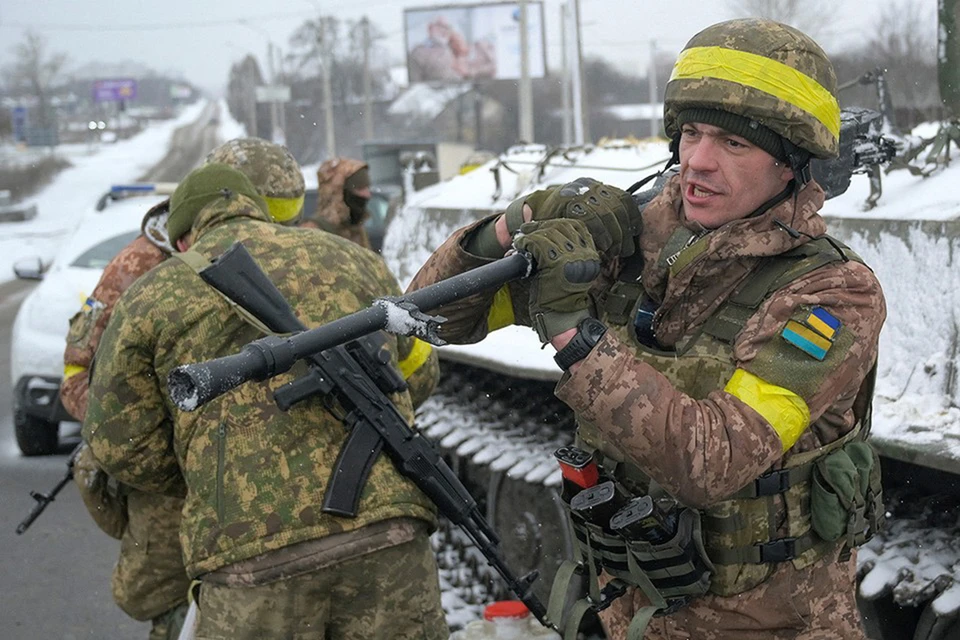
{"x": 670, "y": 573}
{"x": 846, "y": 497}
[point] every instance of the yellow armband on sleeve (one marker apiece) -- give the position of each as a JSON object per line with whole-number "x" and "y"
{"x": 786, "y": 412}
{"x": 70, "y": 370}
{"x": 501, "y": 312}
{"x": 418, "y": 355}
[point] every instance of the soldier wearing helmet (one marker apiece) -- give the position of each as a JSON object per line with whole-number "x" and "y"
{"x": 149, "y": 579}
{"x": 719, "y": 350}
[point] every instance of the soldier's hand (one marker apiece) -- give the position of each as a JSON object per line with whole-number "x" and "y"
{"x": 610, "y": 214}
{"x": 107, "y": 509}
{"x": 567, "y": 263}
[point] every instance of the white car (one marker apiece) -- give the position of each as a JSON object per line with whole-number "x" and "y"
{"x": 40, "y": 329}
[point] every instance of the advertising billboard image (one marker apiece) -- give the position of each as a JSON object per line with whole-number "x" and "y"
{"x": 465, "y": 43}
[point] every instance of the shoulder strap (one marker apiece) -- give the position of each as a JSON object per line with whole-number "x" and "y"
{"x": 773, "y": 274}
{"x": 198, "y": 263}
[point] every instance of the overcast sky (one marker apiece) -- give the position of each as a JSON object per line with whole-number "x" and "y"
{"x": 200, "y": 39}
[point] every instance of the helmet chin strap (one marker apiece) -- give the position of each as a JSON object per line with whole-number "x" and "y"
{"x": 799, "y": 161}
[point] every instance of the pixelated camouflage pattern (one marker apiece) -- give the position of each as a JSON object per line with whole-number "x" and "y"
{"x": 772, "y": 40}
{"x": 256, "y": 475}
{"x": 271, "y": 167}
{"x": 392, "y": 594}
{"x": 332, "y": 214}
{"x": 104, "y": 503}
{"x": 149, "y": 578}
{"x": 718, "y": 444}
{"x": 86, "y": 327}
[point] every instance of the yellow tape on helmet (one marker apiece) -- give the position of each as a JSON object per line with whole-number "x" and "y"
{"x": 763, "y": 74}
{"x": 786, "y": 412}
{"x": 284, "y": 209}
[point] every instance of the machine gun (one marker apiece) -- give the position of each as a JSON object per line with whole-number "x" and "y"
{"x": 352, "y": 367}
{"x": 43, "y": 499}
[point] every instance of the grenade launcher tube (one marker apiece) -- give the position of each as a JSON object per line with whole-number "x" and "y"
{"x": 193, "y": 385}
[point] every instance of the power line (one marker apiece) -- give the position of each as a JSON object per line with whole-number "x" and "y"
{"x": 156, "y": 27}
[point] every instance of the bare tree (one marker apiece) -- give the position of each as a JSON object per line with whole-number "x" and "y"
{"x": 903, "y": 41}
{"x": 35, "y": 70}
{"x": 805, "y": 15}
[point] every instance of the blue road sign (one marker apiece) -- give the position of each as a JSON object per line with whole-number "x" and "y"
{"x": 114, "y": 90}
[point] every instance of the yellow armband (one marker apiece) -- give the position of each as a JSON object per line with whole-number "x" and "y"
{"x": 786, "y": 412}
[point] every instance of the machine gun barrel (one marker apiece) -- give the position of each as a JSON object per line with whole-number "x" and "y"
{"x": 44, "y": 499}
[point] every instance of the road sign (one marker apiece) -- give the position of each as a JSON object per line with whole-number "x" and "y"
{"x": 114, "y": 90}
{"x": 19, "y": 117}
{"x": 274, "y": 93}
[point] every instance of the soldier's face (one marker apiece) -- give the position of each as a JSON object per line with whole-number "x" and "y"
{"x": 724, "y": 177}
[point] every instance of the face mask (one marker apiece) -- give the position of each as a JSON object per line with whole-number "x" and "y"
{"x": 357, "y": 206}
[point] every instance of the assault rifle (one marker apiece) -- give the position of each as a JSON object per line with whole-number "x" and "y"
{"x": 347, "y": 361}
{"x": 43, "y": 499}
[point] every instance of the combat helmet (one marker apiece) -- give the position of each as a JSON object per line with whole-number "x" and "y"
{"x": 771, "y": 75}
{"x": 271, "y": 168}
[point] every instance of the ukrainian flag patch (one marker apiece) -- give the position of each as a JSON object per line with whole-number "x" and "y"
{"x": 815, "y": 335}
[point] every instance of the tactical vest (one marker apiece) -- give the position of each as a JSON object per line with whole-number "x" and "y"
{"x": 739, "y": 535}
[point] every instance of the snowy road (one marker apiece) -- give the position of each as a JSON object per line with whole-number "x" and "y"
{"x": 56, "y": 576}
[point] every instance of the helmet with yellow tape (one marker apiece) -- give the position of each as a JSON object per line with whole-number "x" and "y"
{"x": 770, "y": 76}
{"x": 271, "y": 168}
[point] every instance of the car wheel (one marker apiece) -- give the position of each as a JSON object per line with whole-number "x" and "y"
{"x": 35, "y": 436}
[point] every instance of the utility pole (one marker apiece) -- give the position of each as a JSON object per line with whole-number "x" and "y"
{"x": 565, "y": 73}
{"x": 581, "y": 131}
{"x": 326, "y": 46}
{"x": 274, "y": 120}
{"x": 525, "y": 94}
{"x": 652, "y": 81}
{"x": 367, "y": 98}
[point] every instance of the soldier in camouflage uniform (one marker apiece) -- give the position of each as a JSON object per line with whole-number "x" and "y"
{"x": 718, "y": 347}
{"x": 271, "y": 563}
{"x": 149, "y": 581}
{"x": 343, "y": 190}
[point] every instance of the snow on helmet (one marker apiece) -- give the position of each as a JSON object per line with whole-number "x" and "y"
{"x": 764, "y": 71}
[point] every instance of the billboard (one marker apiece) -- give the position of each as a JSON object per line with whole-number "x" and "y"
{"x": 466, "y": 43}
{"x": 114, "y": 90}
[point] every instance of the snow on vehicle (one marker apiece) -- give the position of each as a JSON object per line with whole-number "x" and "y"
{"x": 494, "y": 412}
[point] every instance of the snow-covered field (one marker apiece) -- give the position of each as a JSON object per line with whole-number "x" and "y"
{"x": 75, "y": 190}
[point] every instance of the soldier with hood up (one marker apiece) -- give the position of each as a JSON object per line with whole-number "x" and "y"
{"x": 149, "y": 580}
{"x": 343, "y": 190}
{"x": 718, "y": 349}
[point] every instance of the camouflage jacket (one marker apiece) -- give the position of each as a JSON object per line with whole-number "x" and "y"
{"x": 86, "y": 327}
{"x": 332, "y": 213}
{"x": 717, "y": 444}
{"x": 611, "y": 383}
{"x": 254, "y": 475}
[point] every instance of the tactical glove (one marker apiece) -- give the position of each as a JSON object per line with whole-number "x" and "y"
{"x": 610, "y": 214}
{"x": 567, "y": 263}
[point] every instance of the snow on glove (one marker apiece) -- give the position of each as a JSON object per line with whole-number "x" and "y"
{"x": 610, "y": 214}
{"x": 567, "y": 263}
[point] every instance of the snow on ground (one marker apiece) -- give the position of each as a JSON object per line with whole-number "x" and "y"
{"x": 76, "y": 190}
{"x": 229, "y": 128}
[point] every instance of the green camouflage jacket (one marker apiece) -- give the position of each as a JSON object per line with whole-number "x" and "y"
{"x": 253, "y": 475}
